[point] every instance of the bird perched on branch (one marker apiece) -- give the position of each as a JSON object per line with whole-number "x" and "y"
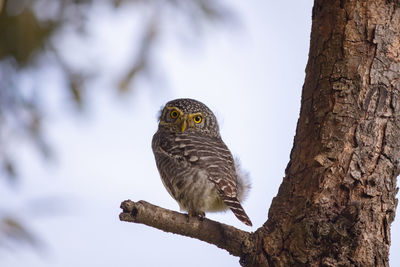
{"x": 195, "y": 165}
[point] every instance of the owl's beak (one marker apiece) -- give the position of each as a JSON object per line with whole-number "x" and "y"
{"x": 183, "y": 123}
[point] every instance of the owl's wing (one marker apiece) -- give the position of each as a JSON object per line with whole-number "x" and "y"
{"x": 169, "y": 165}
{"x": 212, "y": 155}
{"x": 227, "y": 189}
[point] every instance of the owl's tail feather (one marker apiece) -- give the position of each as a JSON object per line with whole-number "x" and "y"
{"x": 237, "y": 209}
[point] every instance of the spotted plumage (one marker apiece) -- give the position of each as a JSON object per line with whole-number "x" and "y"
{"x": 195, "y": 165}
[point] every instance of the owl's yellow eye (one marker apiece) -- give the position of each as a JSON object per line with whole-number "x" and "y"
{"x": 197, "y": 119}
{"x": 174, "y": 114}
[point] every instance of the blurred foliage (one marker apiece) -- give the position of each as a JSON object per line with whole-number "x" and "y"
{"x": 13, "y": 232}
{"x": 30, "y": 33}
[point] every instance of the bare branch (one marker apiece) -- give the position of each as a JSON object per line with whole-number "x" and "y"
{"x": 235, "y": 241}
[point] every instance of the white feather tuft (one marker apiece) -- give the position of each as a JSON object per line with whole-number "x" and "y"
{"x": 243, "y": 183}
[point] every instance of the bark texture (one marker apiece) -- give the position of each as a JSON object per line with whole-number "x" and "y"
{"x": 235, "y": 241}
{"x": 337, "y": 199}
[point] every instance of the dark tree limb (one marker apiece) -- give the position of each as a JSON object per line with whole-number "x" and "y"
{"x": 235, "y": 241}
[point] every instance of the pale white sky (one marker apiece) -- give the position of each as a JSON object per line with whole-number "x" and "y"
{"x": 251, "y": 77}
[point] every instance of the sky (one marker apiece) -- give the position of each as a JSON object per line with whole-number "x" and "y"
{"x": 250, "y": 76}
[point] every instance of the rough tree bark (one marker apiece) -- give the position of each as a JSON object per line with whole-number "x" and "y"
{"x": 337, "y": 199}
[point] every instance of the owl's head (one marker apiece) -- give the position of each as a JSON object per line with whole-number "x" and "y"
{"x": 188, "y": 115}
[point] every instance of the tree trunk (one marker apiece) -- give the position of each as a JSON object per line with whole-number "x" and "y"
{"x": 337, "y": 199}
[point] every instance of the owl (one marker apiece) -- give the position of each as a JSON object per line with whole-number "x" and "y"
{"x": 195, "y": 165}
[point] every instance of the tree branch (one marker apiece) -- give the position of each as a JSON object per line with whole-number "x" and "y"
{"x": 233, "y": 240}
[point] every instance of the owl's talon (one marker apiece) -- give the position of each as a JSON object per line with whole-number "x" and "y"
{"x": 200, "y": 215}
